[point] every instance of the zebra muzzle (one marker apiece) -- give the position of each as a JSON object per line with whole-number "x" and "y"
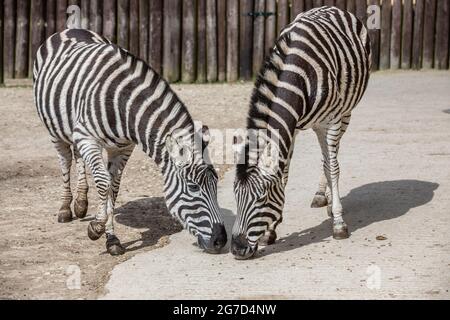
{"x": 216, "y": 242}
{"x": 241, "y": 249}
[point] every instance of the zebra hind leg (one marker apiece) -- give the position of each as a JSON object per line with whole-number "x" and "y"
{"x": 80, "y": 205}
{"x": 329, "y": 138}
{"x": 65, "y": 162}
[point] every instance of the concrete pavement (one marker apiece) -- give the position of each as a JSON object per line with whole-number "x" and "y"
{"x": 395, "y": 173}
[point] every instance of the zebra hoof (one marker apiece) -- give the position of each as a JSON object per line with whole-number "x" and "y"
{"x": 80, "y": 208}
{"x": 113, "y": 245}
{"x": 340, "y": 231}
{"x": 64, "y": 216}
{"x": 319, "y": 201}
{"x": 95, "y": 230}
{"x": 268, "y": 238}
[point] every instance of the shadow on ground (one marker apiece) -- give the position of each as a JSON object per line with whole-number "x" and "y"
{"x": 150, "y": 214}
{"x": 363, "y": 206}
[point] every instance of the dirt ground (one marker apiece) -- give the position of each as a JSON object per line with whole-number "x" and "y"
{"x": 37, "y": 254}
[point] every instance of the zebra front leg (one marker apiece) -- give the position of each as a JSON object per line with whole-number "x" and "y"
{"x": 329, "y": 138}
{"x": 65, "y": 162}
{"x": 80, "y": 205}
{"x": 117, "y": 161}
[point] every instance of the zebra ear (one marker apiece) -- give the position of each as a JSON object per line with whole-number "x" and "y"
{"x": 268, "y": 160}
{"x": 179, "y": 151}
{"x": 206, "y": 136}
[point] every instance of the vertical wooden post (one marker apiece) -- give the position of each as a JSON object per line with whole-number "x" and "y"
{"x": 109, "y": 20}
{"x": 134, "y": 27}
{"x": 308, "y": 5}
{"x": 37, "y": 30}
{"x": 385, "y": 43}
{"x": 429, "y": 33}
{"x": 283, "y": 15}
{"x": 85, "y": 4}
{"x": 189, "y": 43}
{"x": 258, "y": 37}
{"x": 361, "y": 10}
{"x": 143, "y": 29}
{"x": 155, "y": 34}
{"x": 201, "y": 40}
{"x": 375, "y": 41}
{"x": 245, "y": 41}
{"x": 297, "y": 6}
{"x": 351, "y": 6}
{"x": 407, "y": 32}
{"x": 211, "y": 41}
{"x": 171, "y": 42}
{"x": 2, "y": 79}
{"x": 221, "y": 40}
{"x": 329, "y": 3}
{"x": 317, "y": 3}
{"x": 232, "y": 40}
{"x": 418, "y": 34}
{"x": 123, "y": 9}
{"x": 95, "y": 16}
{"x": 22, "y": 38}
{"x": 441, "y": 59}
{"x": 341, "y": 4}
{"x": 50, "y": 18}
{"x": 61, "y": 15}
{"x": 396, "y": 36}
{"x": 271, "y": 26}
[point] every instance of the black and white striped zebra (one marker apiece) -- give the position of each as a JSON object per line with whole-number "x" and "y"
{"x": 94, "y": 96}
{"x": 313, "y": 78}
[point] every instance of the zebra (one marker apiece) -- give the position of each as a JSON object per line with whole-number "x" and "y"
{"x": 312, "y": 78}
{"x": 98, "y": 102}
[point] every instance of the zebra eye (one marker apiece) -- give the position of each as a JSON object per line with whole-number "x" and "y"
{"x": 193, "y": 187}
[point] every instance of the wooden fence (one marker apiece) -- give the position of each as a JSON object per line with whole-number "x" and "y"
{"x": 218, "y": 40}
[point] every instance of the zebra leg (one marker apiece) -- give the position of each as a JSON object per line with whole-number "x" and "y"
{"x": 329, "y": 138}
{"x": 116, "y": 164}
{"x": 80, "y": 205}
{"x": 65, "y": 161}
{"x": 320, "y": 198}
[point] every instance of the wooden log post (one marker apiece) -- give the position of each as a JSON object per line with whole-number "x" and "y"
{"x": 201, "y": 41}
{"x": 429, "y": 32}
{"x": 221, "y": 40}
{"x": 171, "y": 41}
{"x": 351, "y": 6}
{"x": 407, "y": 32}
{"x": 309, "y": 5}
{"x": 245, "y": 40}
{"x": 418, "y": 34}
{"x": 385, "y": 40}
{"x": 232, "y": 40}
{"x": 143, "y": 29}
{"x": 258, "y": 37}
{"x": 2, "y": 20}
{"x": 61, "y": 15}
{"x": 9, "y": 38}
{"x": 37, "y": 30}
{"x": 317, "y": 3}
{"x": 297, "y": 6}
{"x": 95, "y": 16}
{"x": 270, "y": 30}
{"x": 85, "y": 6}
{"x": 361, "y": 10}
{"x": 189, "y": 42}
{"x": 374, "y": 37}
{"x": 329, "y": 3}
{"x": 123, "y": 9}
{"x": 396, "y": 34}
{"x": 211, "y": 41}
{"x": 109, "y": 20}
{"x": 134, "y": 27}
{"x": 341, "y": 4}
{"x": 50, "y": 18}
{"x": 441, "y": 56}
{"x": 283, "y": 15}
{"x": 22, "y": 39}
{"x": 155, "y": 34}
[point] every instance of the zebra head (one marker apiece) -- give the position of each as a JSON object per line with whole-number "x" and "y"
{"x": 191, "y": 189}
{"x": 259, "y": 193}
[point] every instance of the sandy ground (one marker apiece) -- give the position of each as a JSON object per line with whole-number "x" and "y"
{"x": 39, "y": 258}
{"x": 394, "y": 183}
{"x": 395, "y": 186}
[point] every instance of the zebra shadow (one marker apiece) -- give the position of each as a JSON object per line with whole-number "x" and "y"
{"x": 363, "y": 206}
{"x": 150, "y": 214}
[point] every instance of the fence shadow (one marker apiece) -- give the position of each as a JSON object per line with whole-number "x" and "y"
{"x": 363, "y": 206}
{"x": 148, "y": 213}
